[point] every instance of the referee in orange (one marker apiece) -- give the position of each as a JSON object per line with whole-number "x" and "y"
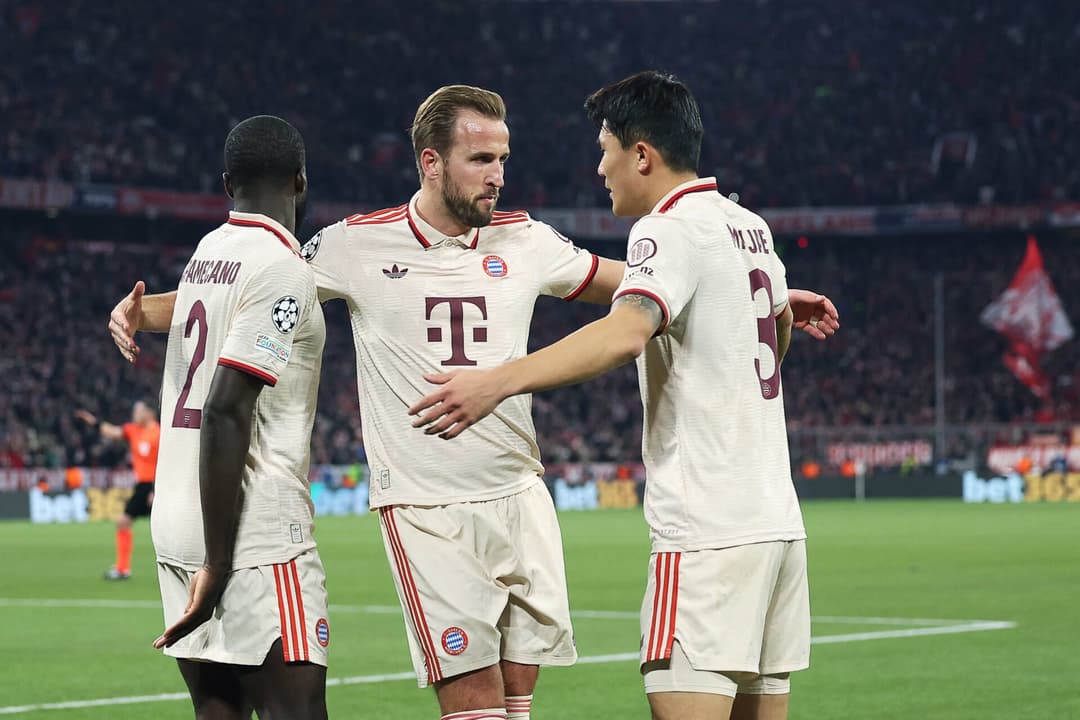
{"x": 142, "y": 435}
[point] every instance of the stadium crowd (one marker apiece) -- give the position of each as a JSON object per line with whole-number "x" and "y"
{"x": 805, "y": 103}
{"x": 878, "y": 371}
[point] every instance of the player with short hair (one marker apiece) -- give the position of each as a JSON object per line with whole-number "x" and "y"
{"x": 443, "y": 281}
{"x": 242, "y": 585}
{"x": 726, "y": 614}
{"x": 142, "y": 435}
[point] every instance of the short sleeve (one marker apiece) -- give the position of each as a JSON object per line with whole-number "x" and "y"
{"x": 660, "y": 264}
{"x": 778, "y": 277}
{"x": 326, "y": 254}
{"x": 276, "y": 300}
{"x": 565, "y": 269}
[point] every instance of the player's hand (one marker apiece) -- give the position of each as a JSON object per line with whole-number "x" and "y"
{"x": 465, "y": 398}
{"x": 207, "y": 585}
{"x": 86, "y": 416}
{"x": 814, "y": 314}
{"x": 124, "y": 322}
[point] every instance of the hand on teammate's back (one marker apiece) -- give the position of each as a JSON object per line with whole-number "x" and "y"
{"x": 124, "y": 321}
{"x": 207, "y": 585}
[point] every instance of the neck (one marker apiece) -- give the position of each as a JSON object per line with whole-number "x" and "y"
{"x": 433, "y": 210}
{"x": 664, "y": 182}
{"x": 276, "y": 207}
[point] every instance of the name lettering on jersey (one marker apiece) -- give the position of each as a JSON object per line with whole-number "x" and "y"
{"x": 750, "y": 239}
{"x": 395, "y": 272}
{"x": 457, "y": 326}
{"x": 206, "y": 272}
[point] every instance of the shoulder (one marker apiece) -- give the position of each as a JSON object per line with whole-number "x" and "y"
{"x": 510, "y": 217}
{"x": 378, "y": 217}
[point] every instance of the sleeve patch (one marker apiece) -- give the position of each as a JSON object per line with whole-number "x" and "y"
{"x": 285, "y": 314}
{"x": 643, "y": 249}
{"x": 308, "y": 250}
{"x": 273, "y": 348}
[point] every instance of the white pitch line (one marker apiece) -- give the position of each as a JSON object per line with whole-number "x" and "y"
{"x": 962, "y": 627}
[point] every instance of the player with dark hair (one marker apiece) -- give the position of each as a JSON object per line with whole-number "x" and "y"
{"x": 726, "y": 614}
{"x": 142, "y": 435}
{"x": 243, "y": 589}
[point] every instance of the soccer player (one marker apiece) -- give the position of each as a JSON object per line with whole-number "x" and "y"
{"x": 442, "y": 281}
{"x": 704, "y": 308}
{"x": 142, "y": 435}
{"x": 242, "y": 585}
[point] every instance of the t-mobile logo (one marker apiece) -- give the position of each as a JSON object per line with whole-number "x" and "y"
{"x": 457, "y": 326}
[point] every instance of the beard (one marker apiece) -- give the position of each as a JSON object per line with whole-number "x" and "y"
{"x": 464, "y": 209}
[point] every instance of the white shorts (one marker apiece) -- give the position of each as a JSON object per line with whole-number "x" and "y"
{"x": 743, "y": 609}
{"x": 479, "y": 582}
{"x": 260, "y": 605}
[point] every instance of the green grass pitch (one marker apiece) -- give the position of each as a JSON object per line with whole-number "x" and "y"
{"x": 897, "y": 588}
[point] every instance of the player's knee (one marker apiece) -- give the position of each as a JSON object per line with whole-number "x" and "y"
{"x": 778, "y": 684}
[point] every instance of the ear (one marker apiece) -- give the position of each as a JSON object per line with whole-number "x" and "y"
{"x": 430, "y": 163}
{"x": 226, "y": 181}
{"x": 646, "y": 157}
{"x": 300, "y": 182}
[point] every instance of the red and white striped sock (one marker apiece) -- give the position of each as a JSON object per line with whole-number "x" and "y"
{"x": 518, "y": 707}
{"x": 486, "y": 714}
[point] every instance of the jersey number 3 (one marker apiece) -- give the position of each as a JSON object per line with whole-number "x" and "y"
{"x": 185, "y": 417}
{"x": 766, "y": 333}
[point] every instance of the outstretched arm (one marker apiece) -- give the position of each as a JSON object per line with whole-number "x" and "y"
{"x": 813, "y": 313}
{"x": 107, "y": 430}
{"x": 224, "y": 439}
{"x": 609, "y": 275}
{"x": 135, "y": 312}
{"x": 467, "y": 397}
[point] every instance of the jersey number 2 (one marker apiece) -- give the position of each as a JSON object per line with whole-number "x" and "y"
{"x": 185, "y": 417}
{"x": 766, "y": 333}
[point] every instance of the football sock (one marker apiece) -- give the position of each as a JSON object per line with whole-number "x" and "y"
{"x": 518, "y": 707}
{"x": 486, "y": 714}
{"x": 123, "y": 550}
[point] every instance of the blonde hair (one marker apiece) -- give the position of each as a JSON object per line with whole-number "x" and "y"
{"x": 433, "y": 126}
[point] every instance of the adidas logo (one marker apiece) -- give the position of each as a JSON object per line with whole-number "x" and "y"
{"x": 394, "y": 272}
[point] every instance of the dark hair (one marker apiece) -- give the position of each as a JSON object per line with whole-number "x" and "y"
{"x": 655, "y": 108}
{"x": 262, "y": 150}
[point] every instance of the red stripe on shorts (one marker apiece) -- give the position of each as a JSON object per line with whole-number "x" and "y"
{"x": 665, "y": 601}
{"x": 412, "y": 596}
{"x": 281, "y": 614}
{"x": 300, "y": 604}
{"x": 674, "y": 605}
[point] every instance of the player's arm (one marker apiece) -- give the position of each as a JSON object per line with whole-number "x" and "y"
{"x": 784, "y": 322}
{"x": 137, "y": 311}
{"x": 224, "y": 439}
{"x": 107, "y": 430}
{"x": 609, "y": 275}
{"x": 467, "y": 397}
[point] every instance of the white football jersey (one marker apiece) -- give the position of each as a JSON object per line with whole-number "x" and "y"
{"x": 422, "y": 303}
{"x": 715, "y": 440}
{"x": 246, "y": 300}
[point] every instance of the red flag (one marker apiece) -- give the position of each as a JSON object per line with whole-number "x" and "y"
{"x": 1030, "y": 315}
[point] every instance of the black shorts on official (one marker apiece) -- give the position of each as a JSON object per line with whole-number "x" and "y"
{"x": 139, "y": 503}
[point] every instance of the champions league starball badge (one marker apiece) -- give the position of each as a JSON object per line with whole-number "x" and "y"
{"x": 285, "y": 314}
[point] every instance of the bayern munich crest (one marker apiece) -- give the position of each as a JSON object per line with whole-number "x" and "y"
{"x": 322, "y": 632}
{"x": 495, "y": 266}
{"x": 285, "y": 314}
{"x": 454, "y": 640}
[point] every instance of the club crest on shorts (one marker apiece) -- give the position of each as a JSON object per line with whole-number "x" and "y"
{"x": 322, "y": 632}
{"x": 285, "y": 314}
{"x": 454, "y": 640}
{"x": 495, "y": 266}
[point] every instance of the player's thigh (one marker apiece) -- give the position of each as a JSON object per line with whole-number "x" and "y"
{"x": 786, "y": 639}
{"x": 216, "y": 693}
{"x": 473, "y": 690}
{"x": 536, "y": 627}
{"x": 677, "y": 689}
{"x": 138, "y": 505}
{"x": 760, "y": 706}
{"x": 280, "y": 689}
{"x": 448, "y": 590}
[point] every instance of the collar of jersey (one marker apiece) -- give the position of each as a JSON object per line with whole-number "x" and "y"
{"x": 696, "y": 185}
{"x": 269, "y": 224}
{"x": 429, "y": 237}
